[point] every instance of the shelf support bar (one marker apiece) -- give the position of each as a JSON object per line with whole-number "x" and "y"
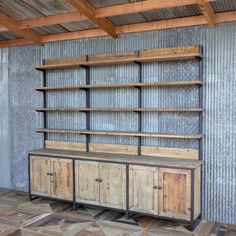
{"x": 44, "y": 104}
{"x": 140, "y": 72}
{"x": 87, "y": 91}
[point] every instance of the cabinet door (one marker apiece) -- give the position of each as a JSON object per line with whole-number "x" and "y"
{"x": 175, "y": 195}
{"x": 39, "y": 175}
{"x": 62, "y": 179}
{"x": 113, "y": 185}
{"x": 87, "y": 182}
{"x": 143, "y": 189}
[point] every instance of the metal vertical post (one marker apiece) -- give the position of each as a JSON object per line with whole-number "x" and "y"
{"x": 200, "y": 76}
{"x": 87, "y": 71}
{"x": 44, "y": 103}
{"x": 201, "y": 116}
{"x": 140, "y": 106}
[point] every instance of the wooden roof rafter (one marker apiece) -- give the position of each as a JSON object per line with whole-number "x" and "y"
{"x": 129, "y": 8}
{"x": 85, "y": 8}
{"x": 124, "y": 29}
{"x": 28, "y": 34}
{"x": 207, "y": 11}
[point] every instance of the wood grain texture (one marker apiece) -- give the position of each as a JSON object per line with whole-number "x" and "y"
{"x": 113, "y": 148}
{"x": 175, "y": 195}
{"x": 86, "y": 188}
{"x": 120, "y": 133}
{"x": 119, "y": 109}
{"x": 180, "y": 153}
{"x": 75, "y": 146}
{"x": 62, "y": 179}
{"x": 39, "y": 180}
{"x": 98, "y": 86}
{"x": 197, "y": 192}
{"x": 122, "y": 158}
{"x": 142, "y": 195}
{"x": 113, "y": 185}
{"x": 163, "y": 54}
{"x": 85, "y": 8}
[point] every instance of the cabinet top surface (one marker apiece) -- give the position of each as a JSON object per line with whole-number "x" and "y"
{"x": 119, "y": 158}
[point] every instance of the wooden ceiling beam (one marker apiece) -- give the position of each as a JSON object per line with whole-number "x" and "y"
{"x": 51, "y": 20}
{"x": 132, "y": 28}
{"x": 143, "y": 6}
{"x": 28, "y": 34}
{"x": 89, "y": 11}
{"x": 207, "y": 11}
{"x": 128, "y": 8}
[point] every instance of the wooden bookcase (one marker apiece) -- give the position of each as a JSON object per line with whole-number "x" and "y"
{"x": 174, "y": 173}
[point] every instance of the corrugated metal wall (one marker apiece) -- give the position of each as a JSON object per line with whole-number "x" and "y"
{"x": 5, "y": 178}
{"x": 219, "y": 202}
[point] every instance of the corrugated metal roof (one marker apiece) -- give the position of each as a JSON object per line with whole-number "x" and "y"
{"x": 8, "y": 35}
{"x": 51, "y": 29}
{"x": 155, "y": 15}
{"x": 224, "y": 5}
{"x": 107, "y": 3}
{"x": 81, "y": 25}
{"x": 67, "y": 27}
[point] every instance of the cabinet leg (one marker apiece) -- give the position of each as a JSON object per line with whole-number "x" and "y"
{"x": 74, "y": 206}
{"x": 32, "y": 198}
{"x": 128, "y": 215}
{"x": 193, "y": 224}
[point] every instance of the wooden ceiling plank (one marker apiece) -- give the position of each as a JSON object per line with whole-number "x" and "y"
{"x": 143, "y": 6}
{"x": 207, "y": 11}
{"x": 29, "y": 34}
{"x": 89, "y": 11}
{"x": 140, "y": 27}
{"x": 51, "y": 20}
{"x": 128, "y": 8}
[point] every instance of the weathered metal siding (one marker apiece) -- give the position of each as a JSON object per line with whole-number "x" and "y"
{"x": 219, "y": 202}
{"x": 5, "y": 174}
{"x": 22, "y": 102}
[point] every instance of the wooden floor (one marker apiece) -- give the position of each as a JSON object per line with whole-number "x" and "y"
{"x": 18, "y": 216}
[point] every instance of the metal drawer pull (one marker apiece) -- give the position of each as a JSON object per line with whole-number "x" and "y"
{"x": 155, "y": 187}
{"x": 97, "y": 179}
{"x": 159, "y": 187}
{"x": 100, "y": 180}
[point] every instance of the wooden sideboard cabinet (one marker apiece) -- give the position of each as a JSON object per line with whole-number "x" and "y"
{"x": 160, "y": 187}
{"x": 100, "y": 183}
{"x": 51, "y": 177}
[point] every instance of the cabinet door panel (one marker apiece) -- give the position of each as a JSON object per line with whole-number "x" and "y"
{"x": 175, "y": 195}
{"x": 143, "y": 197}
{"x": 62, "y": 179}
{"x": 87, "y": 189}
{"x": 39, "y": 180}
{"x": 113, "y": 185}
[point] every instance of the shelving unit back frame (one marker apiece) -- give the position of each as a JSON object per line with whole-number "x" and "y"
{"x": 179, "y": 53}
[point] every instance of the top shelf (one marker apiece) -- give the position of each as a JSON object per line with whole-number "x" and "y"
{"x": 163, "y": 54}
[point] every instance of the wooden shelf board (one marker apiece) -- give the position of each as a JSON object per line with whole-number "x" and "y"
{"x": 120, "y": 109}
{"x": 121, "y": 133}
{"x": 96, "y": 86}
{"x": 170, "y": 57}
